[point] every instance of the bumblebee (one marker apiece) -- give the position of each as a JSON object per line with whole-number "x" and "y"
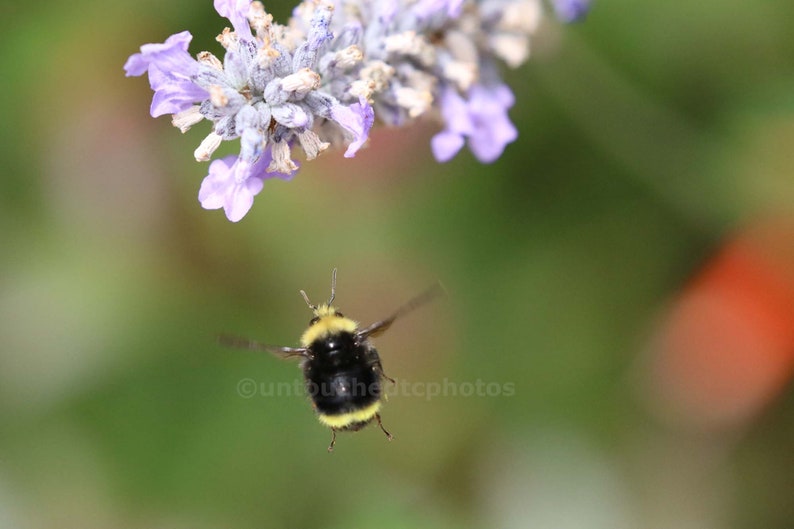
{"x": 341, "y": 367}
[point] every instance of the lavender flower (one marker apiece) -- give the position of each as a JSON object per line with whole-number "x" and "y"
{"x": 321, "y": 80}
{"x": 171, "y": 69}
{"x": 232, "y": 184}
{"x": 263, "y": 93}
{"x": 482, "y": 118}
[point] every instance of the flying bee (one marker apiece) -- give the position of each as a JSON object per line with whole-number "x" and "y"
{"x": 342, "y": 368}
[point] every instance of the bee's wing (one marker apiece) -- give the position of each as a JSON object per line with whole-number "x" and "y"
{"x": 245, "y": 343}
{"x": 380, "y": 326}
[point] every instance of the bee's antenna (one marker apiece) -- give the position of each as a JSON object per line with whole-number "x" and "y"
{"x": 306, "y": 299}
{"x": 333, "y": 287}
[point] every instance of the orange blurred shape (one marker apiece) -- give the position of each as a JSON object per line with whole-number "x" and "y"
{"x": 726, "y": 349}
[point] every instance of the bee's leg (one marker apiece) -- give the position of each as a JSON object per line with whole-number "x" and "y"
{"x": 378, "y": 367}
{"x": 333, "y": 440}
{"x": 373, "y": 359}
{"x": 388, "y": 435}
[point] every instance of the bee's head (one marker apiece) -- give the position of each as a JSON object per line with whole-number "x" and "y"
{"x": 327, "y": 321}
{"x": 324, "y": 311}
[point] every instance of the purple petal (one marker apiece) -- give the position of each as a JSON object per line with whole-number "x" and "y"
{"x": 241, "y": 198}
{"x": 175, "y": 97}
{"x": 171, "y": 70}
{"x": 237, "y": 13}
{"x": 225, "y": 188}
{"x": 445, "y": 145}
{"x": 500, "y": 94}
{"x": 482, "y": 119}
{"x": 487, "y": 145}
{"x": 170, "y": 56}
{"x": 493, "y": 129}
{"x": 136, "y": 65}
{"x": 356, "y": 119}
{"x": 455, "y": 111}
{"x": 213, "y": 189}
{"x": 232, "y": 184}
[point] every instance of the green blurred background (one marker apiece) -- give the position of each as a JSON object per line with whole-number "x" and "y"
{"x": 648, "y": 134}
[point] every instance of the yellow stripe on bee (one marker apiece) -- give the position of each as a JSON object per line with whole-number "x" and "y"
{"x": 346, "y": 419}
{"x": 329, "y": 323}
